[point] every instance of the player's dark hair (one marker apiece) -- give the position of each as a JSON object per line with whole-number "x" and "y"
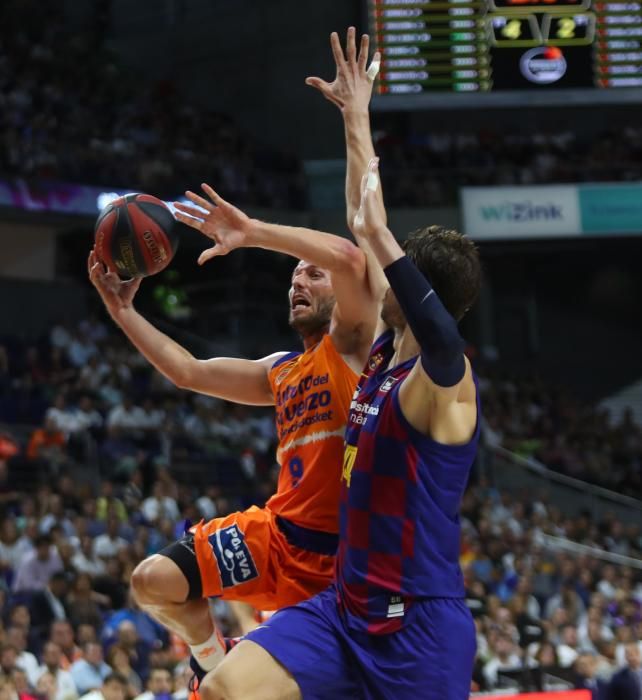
{"x": 450, "y": 261}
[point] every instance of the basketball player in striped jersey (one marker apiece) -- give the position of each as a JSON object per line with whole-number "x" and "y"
{"x": 283, "y": 553}
{"x": 394, "y": 623}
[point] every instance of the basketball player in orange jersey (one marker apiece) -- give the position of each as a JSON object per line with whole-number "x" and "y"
{"x": 251, "y": 671}
{"x": 284, "y": 553}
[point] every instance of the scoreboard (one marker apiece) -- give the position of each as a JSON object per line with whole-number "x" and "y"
{"x": 473, "y": 46}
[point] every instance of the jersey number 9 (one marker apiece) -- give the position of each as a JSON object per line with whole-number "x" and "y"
{"x": 295, "y": 465}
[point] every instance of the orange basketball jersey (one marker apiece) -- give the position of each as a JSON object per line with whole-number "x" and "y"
{"x": 312, "y": 394}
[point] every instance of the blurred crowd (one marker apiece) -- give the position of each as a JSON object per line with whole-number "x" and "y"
{"x": 93, "y": 441}
{"x": 102, "y": 461}
{"x": 98, "y": 406}
{"x": 70, "y": 112}
{"x": 580, "y": 439}
{"x": 101, "y": 411}
{"x": 428, "y": 168}
{"x": 576, "y": 616}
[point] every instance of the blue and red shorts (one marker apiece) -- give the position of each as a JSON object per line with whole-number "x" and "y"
{"x": 430, "y": 658}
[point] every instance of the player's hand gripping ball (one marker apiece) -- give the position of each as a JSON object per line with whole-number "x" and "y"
{"x": 135, "y": 236}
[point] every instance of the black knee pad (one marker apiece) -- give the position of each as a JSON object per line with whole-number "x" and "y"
{"x": 183, "y": 554}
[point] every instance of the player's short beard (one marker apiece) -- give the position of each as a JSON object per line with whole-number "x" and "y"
{"x": 315, "y": 322}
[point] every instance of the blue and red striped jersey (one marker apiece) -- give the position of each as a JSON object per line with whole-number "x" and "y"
{"x": 399, "y": 509}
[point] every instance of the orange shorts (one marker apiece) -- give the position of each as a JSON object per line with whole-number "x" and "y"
{"x": 245, "y": 556}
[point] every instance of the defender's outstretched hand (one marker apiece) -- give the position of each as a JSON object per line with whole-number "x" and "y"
{"x": 226, "y": 225}
{"x": 352, "y": 86}
{"x": 116, "y": 293}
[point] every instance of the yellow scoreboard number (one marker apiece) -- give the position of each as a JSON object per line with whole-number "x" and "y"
{"x": 569, "y": 30}
{"x": 511, "y": 30}
{"x": 507, "y": 31}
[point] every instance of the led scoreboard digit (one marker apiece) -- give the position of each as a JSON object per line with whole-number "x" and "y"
{"x": 500, "y": 45}
{"x": 518, "y": 23}
{"x": 431, "y": 45}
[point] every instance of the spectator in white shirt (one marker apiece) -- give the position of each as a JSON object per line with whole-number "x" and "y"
{"x": 126, "y": 417}
{"x": 93, "y": 373}
{"x": 85, "y": 561}
{"x": 80, "y": 349}
{"x": 89, "y": 672}
{"x": 592, "y": 629}
{"x": 608, "y": 585}
{"x": 17, "y": 636}
{"x": 110, "y": 543}
{"x": 206, "y": 504}
{"x": 567, "y": 650}
{"x": 545, "y": 656}
{"x": 159, "y": 506}
{"x": 87, "y": 415}
{"x": 624, "y": 640}
{"x": 60, "y": 335}
{"x": 503, "y": 658}
{"x": 159, "y": 684}
{"x": 13, "y": 548}
{"x": 63, "y": 418}
{"x": 567, "y": 598}
{"x": 37, "y": 568}
{"x": 182, "y": 677}
{"x": 51, "y": 658}
{"x": 114, "y": 687}
{"x": 153, "y": 418}
{"x": 56, "y": 516}
{"x": 196, "y": 423}
{"x": 93, "y": 329}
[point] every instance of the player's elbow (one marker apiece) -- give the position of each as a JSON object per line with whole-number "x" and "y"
{"x": 351, "y": 259}
{"x": 185, "y": 374}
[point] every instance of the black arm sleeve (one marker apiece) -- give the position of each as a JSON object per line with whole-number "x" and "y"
{"x": 442, "y": 348}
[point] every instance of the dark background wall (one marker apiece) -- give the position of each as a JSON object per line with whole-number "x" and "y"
{"x": 243, "y": 57}
{"x": 250, "y": 58}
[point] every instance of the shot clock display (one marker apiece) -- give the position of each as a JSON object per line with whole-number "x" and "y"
{"x": 501, "y": 45}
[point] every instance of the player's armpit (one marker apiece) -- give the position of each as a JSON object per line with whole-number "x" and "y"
{"x": 233, "y": 379}
{"x": 356, "y": 310}
{"x": 446, "y": 414}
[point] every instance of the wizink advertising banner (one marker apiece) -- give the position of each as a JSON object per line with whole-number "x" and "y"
{"x": 520, "y": 212}
{"x": 553, "y": 695}
{"x": 552, "y": 211}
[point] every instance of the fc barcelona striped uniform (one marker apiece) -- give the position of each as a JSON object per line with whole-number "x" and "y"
{"x": 394, "y": 624}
